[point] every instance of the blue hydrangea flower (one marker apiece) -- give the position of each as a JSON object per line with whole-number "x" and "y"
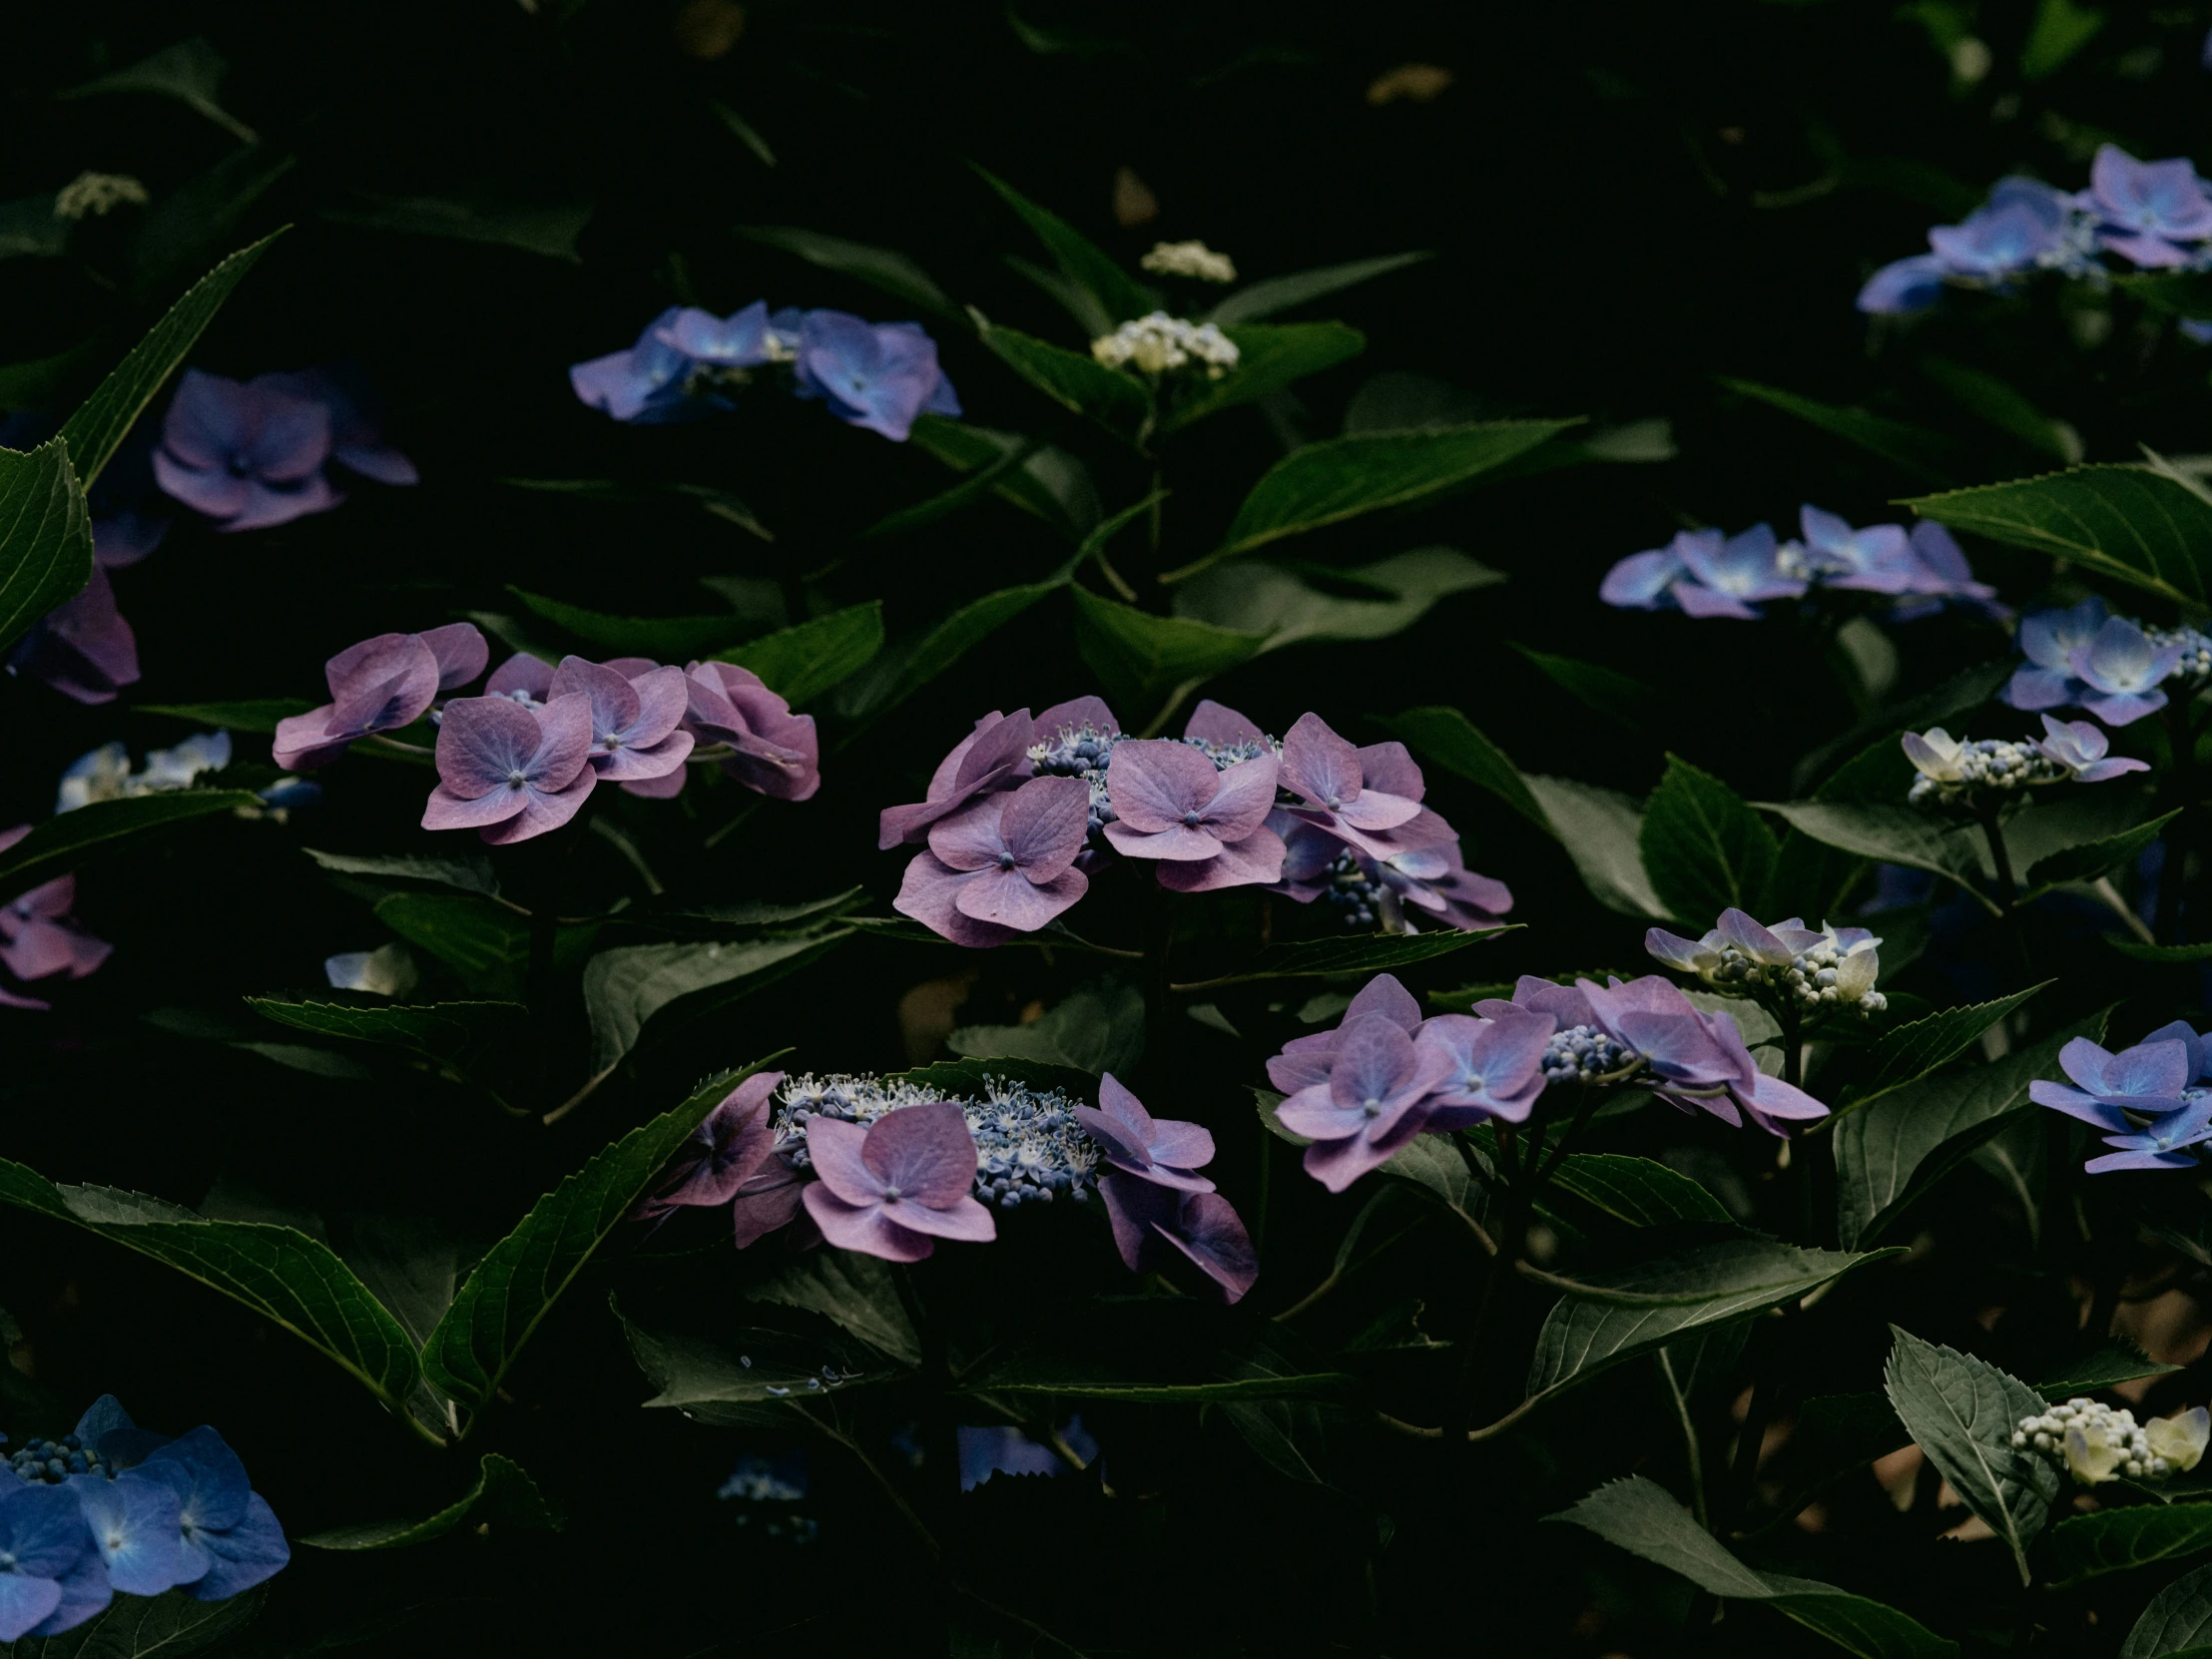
{"x": 653, "y": 381}
{"x": 2122, "y": 670}
{"x": 1874, "y": 559}
{"x": 879, "y": 376}
{"x": 2157, "y": 215}
{"x": 45, "y": 1545}
{"x": 230, "y": 1538}
{"x": 2024, "y": 225}
{"x": 1728, "y": 577}
{"x": 138, "y": 1526}
{"x": 2048, "y": 639}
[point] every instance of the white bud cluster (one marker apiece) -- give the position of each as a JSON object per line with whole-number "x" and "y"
{"x": 1815, "y": 978}
{"x": 2096, "y": 1442}
{"x": 98, "y": 194}
{"x": 2196, "y": 652}
{"x": 1190, "y": 259}
{"x": 1986, "y": 764}
{"x": 1159, "y": 343}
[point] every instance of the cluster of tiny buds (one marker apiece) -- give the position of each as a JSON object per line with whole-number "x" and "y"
{"x": 2196, "y": 652}
{"x": 1988, "y": 763}
{"x": 1158, "y": 343}
{"x": 50, "y": 1463}
{"x": 1029, "y": 1148}
{"x": 2100, "y": 1426}
{"x": 1808, "y": 979}
{"x": 1580, "y": 1053}
{"x": 1190, "y": 259}
{"x": 1360, "y": 900}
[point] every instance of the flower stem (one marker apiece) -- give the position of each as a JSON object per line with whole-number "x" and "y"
{"x": 1159, "y": 935}
{"x": 2180, "y": 778}
{"x": 2009, "y": 891}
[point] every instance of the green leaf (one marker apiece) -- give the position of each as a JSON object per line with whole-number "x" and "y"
{"x": 669, "y": 639}
{"x": 191, "y": 72}
{"x": 278, "y": 1271}
{"x": 2113, "y": 1541}
{"x": 486, "y": 945}
{"x": 1450, "y": 739}
{"x": 1602, "y": 831}
{"x": 471, "y": 873}
{"x": 170, "y": 1624}
{"x": 186, "y": 226}
{"x": 1961, "y": 1411}
{"x": 1291, "y": 605}
{"x": 1703, "y": 848}
{"x": 1997, "y": 403}
{"x": 1339, "y": 479}
{"x": 941, "y": 647}
{"x": 1895, "y": 835}
{"x": 100, "y": 423}
{"x": 2118, "y": 1360}
{"x": 44, "y": 536}
{"x": 444, "y": 1033}
{"x": 2090, "y": 860}
{"x": 1894, "y": 1151}
{"x": 1271, "y": 294}
{"x": 853, "y": 1292}
{"x": 503, "y": 1496}
{"x": 1098, "y": 1029}
{"x": 1604, "y": 1318}
{"x": 799, "y": 664}
{"x": 2160, "y": 952}
{"x": 1924, "y": 455}
{"x": 1144, "y": 659}
{"x": 742, "y": 1380}
{"x": 880, "y": 267}
{"x": 1912, "y": 1051}
{"x": 2177, "y": 1623}
{"x": 2176, "y": 293}
{"x": 1152, "y": 1352}
{"x": 982, "y": 481}
{"x": 626, "y": 987}
{"x": 100, "y": 829}
{"x": 1361, "y": 953}
{"x": 1051, "y": 483}
{"x": 1642, "y": 1518}
{"x": 1836, "y": 1435}
{"x": 1636, "y": 1190}
{"x": 2131, "y": 523}
{"x": 1268, "y": 358}
{"x": 2060, "y": 29}
{"x": 261, "y": 715}
{"x": 1963, "y": 693}
{"x": 1617, "y": 696}
{"x": 549, "y": 229}
{"x": 1289, "y": 1435}
{"x": 512, "y": 1289}
{"x": 1120, "y": 296}
{"x": 1074, "y": 380}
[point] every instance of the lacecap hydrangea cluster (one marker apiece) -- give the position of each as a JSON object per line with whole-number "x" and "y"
{"x": 2096, "y": 1442}
{"x": 2113, "y": 667}
{"x": 1028, "y": 1146}
{"x": 689, "y": 363}
{"x": 2155, "y": 216}
{"x": 1189, "y": 258}
{"x": 2149, "y": 1102}
{"x": 1158, "y": 344}
{"x": 1962, "y": 772}
{"x": 1800, "y": 968}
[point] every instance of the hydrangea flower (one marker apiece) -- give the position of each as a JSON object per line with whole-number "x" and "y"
{"x": 39, "y": 938}
{"x": 772, "y": 752}
{"x": 380, "y": 685}
{"x": 2149, "y": 1100}
{"x": 511, "y": 772}
{"x": 2082, "y": 750}
{"x": 1495, "y": 1066}
{"x": 1369, "y": 1107}
{"x": 1874, "y": 559}
{"x": 1951, "y": 771}
{"x": 1703, "y": 574}
{"x": 1189, "y": 258}
{"x": 725, "y": 1152}
{"x": 745, "y": 338}
{"x": 2024, "y": 227}
{"x": 1167, "y": 1154}
{"x": 1367, "y": 797}
{"x": 1206, "y": 825}
{"x": 895, "y": 1187}
{"x": 1693, "y": 1060}
{"x": 2049, "y": 638}
{"x": 655, "y": 381}
{"x": 2122, "y": 670}
{"x": 994, "y": 755}
{"x": 1308, "y": 1060}
{"x": 1789, "y": 963}
{"x": 634, "y": 736}
{"x": 1157, "y": 343}
{"x": 2097, "y": 1444}
{"x": 106, "y": 773}
{"x": 229, "y": 1537}
{"x": 2156, "y": 215}
{"x": 82, "y": 648}
{"x": 879, "y": 376}
{"x": 997, "y": 1451}
{"x": 389, "y": 970}
{"x": 250, "y": 454}
{"x": 1002, "y": 865}
{"x": 1155, "y": 1227}
{"x": 45, "y": 1545}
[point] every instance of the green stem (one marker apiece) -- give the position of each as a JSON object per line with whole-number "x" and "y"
{"x": 1159, "y": 935}
{"x": 2009, "y": 891}
{"x": 2179, "y": 779}
{"x": 1689, "y": 1437}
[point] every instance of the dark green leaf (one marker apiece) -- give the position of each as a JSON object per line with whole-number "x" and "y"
{"x": 1642, "y": 1518}
{"x": 1155, "y": 1353}
{"x": 1339, "y": 479}
{"x": 941, "y": 647}
{"x": 1914, "y": 1050}
{"x": 1273, "y": 295}
{"x": 470, "y": 873}
{"x": 740, "y": 1379}
{"x": 1963, "y": 693}
{"x": 1617, "y": 696}
{"x": 191, "y": 72}
{"x": 1836, "y": 1435}
{"x": 1286, "y": 606}
{"x": 1074, "y": 380}
{"x": 2160, "y": 952}
{"x": 1925, "y": 455}
{"x": 1895, "y": 835}
{"x": 444, "y": 1033}
{"x": 545, "y": 228}
{"x": 44, "y": 536}
{"x": 1450, "y": 739}
{"x": 1146, "y": 660}
{"x": 1289, "y": 1435}
{"x": 799, "y": 664}
{"x": 2131, "y": 523}
{"x": 1361, "y": 953}
{"x": 1704, "y": 849}
{"x": 2177, "y": 292}
{"x": 1051, "y": 483}
{"x": 1268, "y": 358}
{"x": 100, "y": 423}
{"x": 2178, "y": 1622}
{"x": 626, "y": 987}
{"x": 29, "y": 226}
{"x": 2113, "y": 1541}
{"x": 851, "y": 1291}
{"x": 1891, "y": 1153}
{"x": 1961, "y": 1411}
{"x": 2117, "y": 1362}
{"x": 1096, "y": 1029}
{"x": 2089, "y": 859}
{"x": 503, "y": 1496}
{"x": 278, "y": 1271}
{"x": 1636, "y": 1190}
{"x": 982, "y": 481}
{"x": 669, "y": 639}
{"x": 258, "y": 716}
{"x": 96, "y": 831}
{"x": 2060, "y": 29}
{"x": 36, "y": 383}
{"x": 1602, "y": 831}
{"x": 511, "y": 1289}
{"x": 186, "y": 226}
{"x": 880, "y": 267}
{"x": 2003, "y": 407}
{"x": 1120, "y": 296}
{"x": 171, "y": 1625}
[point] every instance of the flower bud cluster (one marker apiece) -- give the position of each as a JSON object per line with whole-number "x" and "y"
{"x": 50, "y": 1463}
{"x": 1815, "y": 978}
{"x": 1158, "y": 343}
{"x": 1583, "y": 1052}
{"x": 2195, "y": 665}
{"x": 1190, "y": 259}
{"x": 1985, "y": 763}
{"x": 2095, "y": 1442}
{"x": 1028, "y": 1146}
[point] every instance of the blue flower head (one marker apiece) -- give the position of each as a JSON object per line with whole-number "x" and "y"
{"x": 51, "y": 1579}
{"x": 654, "y": 381}
{"x": 229, "y": 1536}
{"x": 879, "y": 376}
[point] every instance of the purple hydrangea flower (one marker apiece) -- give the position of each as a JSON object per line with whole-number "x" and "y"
{"x": 2148, "y": 210}
{"x": 998, "y": 1450}
{"x": 2122, "y": 671}
{"x": 1372, "y": 1103}
{"x": 82, "y": 648}
{"x": 995, "y": 755}
{"x": 250, "y": 454}
{"x": 46, "y": 1551}
{"x": 1913, "y": 283}
{"x": 633, "y": 721}
{"x": 1004, "y": 865}
{"x": 745, "y": 339}
{"x": 511, "y": 772}
{"x": 1369, "y": 799}
{"x": 2080, "y": 747}
{"x": 723, "y": 1153}
{"x": 2161, "y": 1145}
{"x": 1156, "y": 1225}
{"x": 772, "y": 751}
{"x": 1163, "y": 1152}
{"x": 879, "y": 376}
{"x": 1308, "y": 1060}
{"x": 1206, "y": 825}
{"x": 2048, "y": 639}
{"x": 1646, "y": 581}
{"x": 1695, "y": 1060}
{"x": 1495, "y": 1066}
{"x": 895, "y": 1187}
{"x": 2023, "y": 221}
{"x": 1941, "y": 573}
{"x": 2150, "y": 1079}
{"x": 650, "y": 382}
{"x": 1436, "y": 880}
{"x": 1727, "y": 577}
{"x": 1876, "y": 559}
{"x": 380, "y": 685}
{"x": 356, "y": 420}
{"x": 38, "y": 936}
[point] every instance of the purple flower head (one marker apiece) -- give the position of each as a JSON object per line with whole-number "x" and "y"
{"x": 723, "y": 1153}
{"x": 1163, "y": 1152}
{"x": 380, "y": 685}
{"x": 522, "y": 679}
{"x": 1567, "y": 1006}
{"x": 1696, "y": 1061}
{"x": 877, "y": 375}
{"x": 137, "y": 1522}
{"x": 2122, "y": 670}
{"x": 1002, "y": 865}
{"x": 1874, "y": 559}
{"x": 1940, "y": 573}
{"x": 1207, "y": 826}
{"x": 1999, "y": 240}
{"x": 895, "y": 1187}
{"x": 1369, "y": 799}
{"x": 769, "y": 1200}
{"x": 82, "y": 648}
{"x": 1909, "y": 284}
{"x": 1216, "y": 722}
{"x": 2158, "y": 1145}
{"x": 1308, "y": 1060}
{"x": 1733, "y": 575}
{"x": 633, "y": 722}
{"x": 44, "y": 1542}
{"x": 743, "y": 339}
{"x": 229, "y": 1537}
{"x": 1371, "y": 1104}
{"x": 250, "y": 454}
{"x": 2080, "y": 747}
{"x": 774, "y": 751}
{"x": 2151, "y": 1079}
{"x": 2146, "y": 209}
{"x": 511, "y": 772}
{"x": 1645, "y": 581}
{"x": 650, "y": 383}
{"x": 1155, "y": 1226}
{"x": 1495, "y": 1066}
{"x": 356, "y": 426}
{"x": 38, "y": 937}
{"x": 993, "y": 756}
{"x": 1437, "y": 880}
{"x": 2048, "y": 639}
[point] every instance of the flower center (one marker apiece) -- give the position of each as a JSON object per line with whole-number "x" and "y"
{"x": 891, "y": 1195}
{"x": 515, "y": 780}
{"x": 1372, "y": 1107}
{"x": 1005, "y": 861}
{"x": 1191, "y": 820}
